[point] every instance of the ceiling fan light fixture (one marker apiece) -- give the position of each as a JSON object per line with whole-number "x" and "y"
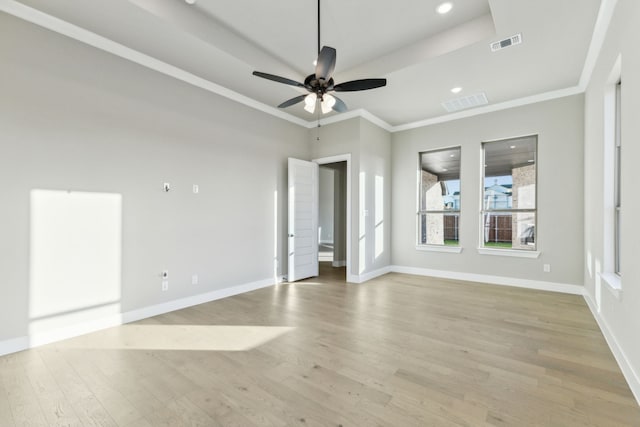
{"x": 310, "y": 102}
{"x": 444, "y": 8}
{"x": 321, "y": 81}
{"x": 327, "y": 103}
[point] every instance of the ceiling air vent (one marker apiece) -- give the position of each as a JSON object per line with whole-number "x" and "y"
{"x": 465, "y": 102}
{"x": 511, "y": 41}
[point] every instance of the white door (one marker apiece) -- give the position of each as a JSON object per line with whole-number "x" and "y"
{"x": 303, "y": 220}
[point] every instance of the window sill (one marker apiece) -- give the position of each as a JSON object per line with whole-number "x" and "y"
{"x": 439, "y": 248}
{"x": 509, "y": 252}
{"x": 613, "y": 282}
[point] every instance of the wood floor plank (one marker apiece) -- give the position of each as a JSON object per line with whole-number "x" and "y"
{"x": 399, "y": 350}
{"x": 84, "y": 403}
{"x": 25, "y": 407}
{"x": 6, "y": 416}
{"x": 56, "y": 409}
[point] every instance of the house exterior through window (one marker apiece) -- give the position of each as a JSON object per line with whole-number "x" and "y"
{"x": 439, "y": 197}
{"x": 508, "y": 219}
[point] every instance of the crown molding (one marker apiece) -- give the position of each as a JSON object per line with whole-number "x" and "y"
{"x": 362, "y": 113}
{"x": 65, "y": 28}
{"x": 60, "y": 26}
{"x": 605, "y": 14}
{"x": 546, "y": 96}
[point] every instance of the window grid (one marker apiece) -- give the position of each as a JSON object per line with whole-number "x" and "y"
{"x": 447, "y": 219}
{"x": 617, "y": 181}
{"x": 504, "y": 226}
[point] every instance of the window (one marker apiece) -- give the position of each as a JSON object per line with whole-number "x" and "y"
{"x": 617, "y": 193}
{"x": 439, "y": 199}
{"x": 509, "y": 194}
{"x": 612, "y": 184}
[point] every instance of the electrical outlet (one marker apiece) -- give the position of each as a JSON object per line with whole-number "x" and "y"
{"x": 166, "y": 186}
{"x": 547, "y": 268}
{"x": 196, "y": 188}
{"x": 194, "y": 279}
{"x": 165, "y": 285}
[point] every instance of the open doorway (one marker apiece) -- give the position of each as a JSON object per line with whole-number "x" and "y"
{"x": 332, "y": 219}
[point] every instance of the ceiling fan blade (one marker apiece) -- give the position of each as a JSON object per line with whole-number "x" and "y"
{"x": 363, "y": 84}
{"x": 339, "y": 106}
{"x": 326, "y": 63}
{"x": 278, "y": 79}
{"x": 292, "y": 101}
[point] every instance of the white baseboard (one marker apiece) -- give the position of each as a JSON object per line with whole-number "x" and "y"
{"x": 62, "y": 333}
{"x": 494, "y": 280}
{"x": 339, "y": 264}
{"x": 632, "y": 377}
{"x": 471, "y": 277}
{"x": 25, "y": 342}
{"x": 370, "y": 275}
{"x": 155, "y": 310}
{"x": 13, "y": 345}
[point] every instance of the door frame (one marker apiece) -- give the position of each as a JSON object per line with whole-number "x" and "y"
{"x": 336, "y": 159}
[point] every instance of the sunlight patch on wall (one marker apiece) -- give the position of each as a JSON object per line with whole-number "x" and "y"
{"x": 75, "y": 255}
{"x": 178, "y": 337}
{"x": 379, "y": 216}
{"x": 598, "y": 285}
{"x": 275, "y": 237}
{"x": 362, "y": 235}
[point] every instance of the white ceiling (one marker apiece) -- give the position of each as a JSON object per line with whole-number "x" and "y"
{"x": 421, "y": 53}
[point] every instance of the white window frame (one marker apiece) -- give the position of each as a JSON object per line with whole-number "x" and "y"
{"x": 434, "y": 247}
{"x": 508, "y": 252}
{"x": 617, "y": 177}
{"x": 611, "y": 273}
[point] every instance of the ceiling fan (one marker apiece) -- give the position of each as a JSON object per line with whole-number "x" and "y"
{"x": 320, "y": 84}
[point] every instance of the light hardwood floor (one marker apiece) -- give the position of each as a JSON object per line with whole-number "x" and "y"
{"x": 399, "y": 350}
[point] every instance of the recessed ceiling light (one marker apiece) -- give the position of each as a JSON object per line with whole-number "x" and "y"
{"x": 444, "y": 169}
{"x": 456, "y": 90}
{"x": 190, "y": 1}
{"x": 444, "y": 8}
{"x": 452, "y": 155}
{"x": 512, "y": 147}
{"x": 531, "y": 161}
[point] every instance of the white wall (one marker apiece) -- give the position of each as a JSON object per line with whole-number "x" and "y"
{"x": 340, "y": 214}
{"x": 325, "y": 206}
{"x": 375, "y": 204}
{"x": 73, "y": 118}
{"x": 559, "y": 125}
{"x": 369, "y": 147}
{"x": 618, "y": 315}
